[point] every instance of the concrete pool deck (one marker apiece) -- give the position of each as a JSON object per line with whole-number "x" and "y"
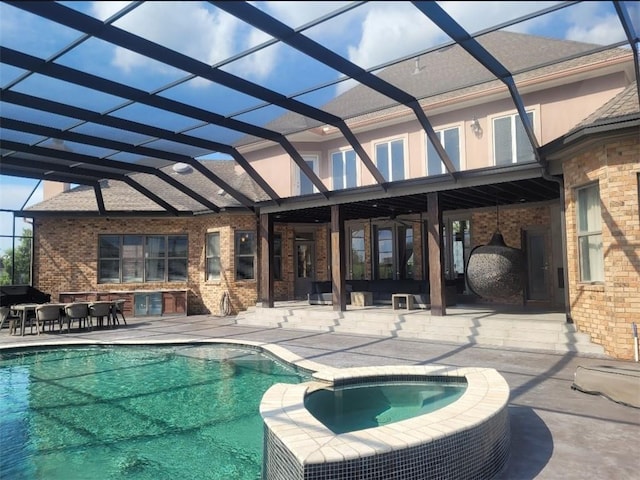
{"x": 557, "y": 432}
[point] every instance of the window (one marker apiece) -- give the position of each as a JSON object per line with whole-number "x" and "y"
{"x": 277, "y": 257}
{"x": 304, "y": 186}
{"x": 590, "y": 234}
{"x": 450, "y": 139}
{"x": 390, "y": 160}
{"x": 343, "y": 166}
{"x": 384, "y": 266}
{"x": 510, "y": 140}
{"x": 245, "y": 255}
{"x": 357, "y": 259}
{"x": 405, "y": 252}
{"x": 394, "y": 257}
{"x": 142, "y": 258}
{"x": 213, "y": 256}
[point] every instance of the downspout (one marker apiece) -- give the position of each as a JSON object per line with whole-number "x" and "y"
{"x": 563, "y": 225}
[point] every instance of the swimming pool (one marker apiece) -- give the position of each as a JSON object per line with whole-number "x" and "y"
{"x": 135, "y": 412}
{"x": 467, "y": 439}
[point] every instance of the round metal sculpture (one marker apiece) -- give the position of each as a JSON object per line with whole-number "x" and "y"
{"x": 495, "y": 270}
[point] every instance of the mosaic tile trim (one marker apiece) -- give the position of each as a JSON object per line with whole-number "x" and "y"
{"x": 469, "y": 439}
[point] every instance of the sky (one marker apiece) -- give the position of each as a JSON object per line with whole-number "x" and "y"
{"x": 368, "y": 36}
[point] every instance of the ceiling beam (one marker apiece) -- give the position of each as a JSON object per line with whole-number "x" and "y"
{"x": 142, "y": 129}
{"x": 98, "y": 174}
{"x": 632, "y": 36}
{"x": 448, "y": 25}
{"x": 254, "y": 16}
{"x": 80, "y": 172}
{"x": 92, "y": 26}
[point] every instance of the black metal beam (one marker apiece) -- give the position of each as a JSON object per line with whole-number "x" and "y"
{"x": 100, "y": 162}
{"x": 252, "y": 15}
{"x": 632, "y": 37}
{"x": 92, "y": 214}
{"x": 448, "y": 25}
{"x": 74, "y": 19}
{"x": 115, "y": 145}
{"x": 50, "y": 106}
{"x": 257, "y": 18}
{"x": 35, "y": 164}
{"x": 97, "y": 190}
{"x": 41, "y": 174}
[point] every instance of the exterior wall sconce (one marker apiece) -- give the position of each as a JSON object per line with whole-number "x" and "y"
{"x": 475, "y": 127}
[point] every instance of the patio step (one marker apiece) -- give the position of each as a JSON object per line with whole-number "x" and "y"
{"x": 519, "y": 331}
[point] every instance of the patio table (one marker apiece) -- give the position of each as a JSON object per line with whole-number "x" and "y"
{"x": 24, "y": 309}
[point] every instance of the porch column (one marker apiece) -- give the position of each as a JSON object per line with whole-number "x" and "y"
{"x": 436, "y": 256}
{"x": 338, "y": 259}
{"x": 266, "y": 260}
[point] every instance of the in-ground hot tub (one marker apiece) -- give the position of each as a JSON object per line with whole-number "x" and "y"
{"x": 469, "y": 438}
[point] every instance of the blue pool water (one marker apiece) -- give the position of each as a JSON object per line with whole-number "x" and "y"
{"x": 356, "y": 407}
{"x": 133, "y": 412}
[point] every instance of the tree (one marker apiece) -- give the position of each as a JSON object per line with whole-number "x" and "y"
{"x": 22, "y": 274}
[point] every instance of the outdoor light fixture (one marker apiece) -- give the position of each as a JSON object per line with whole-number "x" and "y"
{"x": 475, "y": 127}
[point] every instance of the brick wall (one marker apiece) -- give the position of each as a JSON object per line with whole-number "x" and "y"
{"x": 66, "y": 257}
{"x": 510, "y": 221}
{"x": 606, "y": 310}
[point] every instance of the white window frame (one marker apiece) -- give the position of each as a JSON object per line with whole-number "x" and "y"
{"x": 388, "y": 142}
{"x": 512, "y": 115}
{"x": 591, "y": 266}
{"x": 251, "y": 236}
{"x": 312, "y": 158}
{"x": 343, "y": 152}
{"x": 211, "y": 257}
{"x": 440, "y": 132}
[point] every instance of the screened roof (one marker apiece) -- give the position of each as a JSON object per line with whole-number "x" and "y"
{"x": 137, "y": 92}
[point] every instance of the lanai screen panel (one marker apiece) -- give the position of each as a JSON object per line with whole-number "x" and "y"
{"x": 153, "y": 85}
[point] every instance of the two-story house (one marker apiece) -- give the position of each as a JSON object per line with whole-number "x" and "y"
{"x": 404, "y": 194}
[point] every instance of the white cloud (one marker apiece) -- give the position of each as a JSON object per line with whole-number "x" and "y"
{"x": 195, "y": 29}
{"x": 104, "y": 10}
{"x": 296, "y": 14}
{"x": 390, "y": 32}
{"x": 606, "y": 31}
{"x": 590, "y": 24}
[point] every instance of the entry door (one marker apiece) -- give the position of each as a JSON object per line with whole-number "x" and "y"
{"x": 304, "y": 268}
{"x": 538, "y": 263}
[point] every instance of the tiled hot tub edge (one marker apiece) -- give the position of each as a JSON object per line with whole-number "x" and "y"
{"x": 467, "y": 439}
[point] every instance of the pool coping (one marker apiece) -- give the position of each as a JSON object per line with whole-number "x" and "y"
{"x": 467, "y": 439}
{"x": 307, "y": 443}
{"x": 283, "y": 411}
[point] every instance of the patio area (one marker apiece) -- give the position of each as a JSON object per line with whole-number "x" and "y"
{"x": 557, "y": 432}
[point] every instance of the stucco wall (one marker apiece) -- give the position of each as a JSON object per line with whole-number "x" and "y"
{"x": 556, "y": 111}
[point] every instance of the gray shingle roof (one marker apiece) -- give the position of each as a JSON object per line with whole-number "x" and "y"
{"x": 443, "y": 74}
{"x": 451, "y": 72}
{"x": 624, "y": 104}
{"x": 122, "y": 197}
